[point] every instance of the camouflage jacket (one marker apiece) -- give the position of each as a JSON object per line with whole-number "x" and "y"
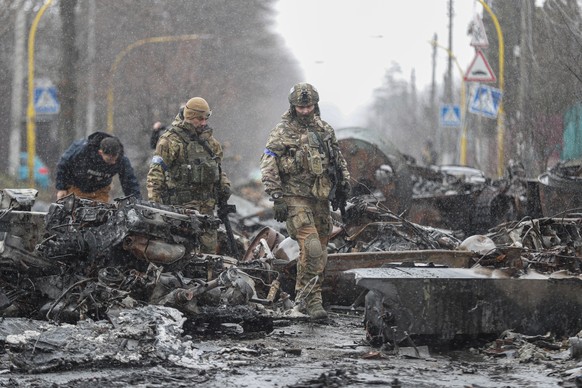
{"x": 296, "y": 163}
{"x": 182, "y": 171}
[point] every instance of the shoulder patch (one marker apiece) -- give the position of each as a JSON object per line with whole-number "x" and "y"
{"x": 157, "y": 159}
{"x": 270, "y": 153}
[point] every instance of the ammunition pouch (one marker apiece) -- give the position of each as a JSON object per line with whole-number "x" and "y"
{"x": 182, "y": 196}
{"x": 201, "y": 171}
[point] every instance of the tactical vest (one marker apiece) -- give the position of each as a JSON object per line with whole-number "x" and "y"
{"x": 306, "y": 163}
{"x": 195, "y": 174}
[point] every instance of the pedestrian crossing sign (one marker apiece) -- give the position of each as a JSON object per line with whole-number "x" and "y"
{"x": 485, "y": 101}
{"x": 45, "y": 100}
{"x": 450, "y": 115}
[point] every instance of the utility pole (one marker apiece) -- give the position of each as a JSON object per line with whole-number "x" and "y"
{"x": 413, "y": 99}
{"x": 433, "y": 107}
{"x": 433, "y": 83}
{"x": 524, "y": 147}
{"x": 17, "y": 89}
{"x": 447, "y": 148}
{"x": 449, "y": 86}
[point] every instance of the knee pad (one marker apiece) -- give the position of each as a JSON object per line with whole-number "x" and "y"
{"x": 313, "y": 246}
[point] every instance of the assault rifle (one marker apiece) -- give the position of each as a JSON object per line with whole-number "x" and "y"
{"x": 338, "y": 195}
{"x": 223, "y": 210}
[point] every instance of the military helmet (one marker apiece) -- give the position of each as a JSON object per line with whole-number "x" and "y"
{"x": 303, "y": 94}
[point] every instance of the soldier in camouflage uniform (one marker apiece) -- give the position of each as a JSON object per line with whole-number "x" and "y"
{"x": 295, "y": 173}
{"x": 186, "y": 167}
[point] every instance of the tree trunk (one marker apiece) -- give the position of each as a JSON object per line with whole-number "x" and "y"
{"x": 67, "y": 84}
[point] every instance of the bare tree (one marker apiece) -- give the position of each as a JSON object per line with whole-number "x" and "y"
{"x": 67, "y": 85}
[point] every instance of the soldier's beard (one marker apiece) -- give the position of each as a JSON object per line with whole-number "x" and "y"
{"x": 192, "y": 128}
{"x": 306, "y": 119}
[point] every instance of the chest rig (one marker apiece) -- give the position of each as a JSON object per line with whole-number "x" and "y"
{"x": 197, "y": 171}
{"x": 305, "y": 153}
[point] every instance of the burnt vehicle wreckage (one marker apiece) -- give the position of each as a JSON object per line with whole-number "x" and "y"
{"x": 435, "y": 281}
{"x": 82, "y": 257}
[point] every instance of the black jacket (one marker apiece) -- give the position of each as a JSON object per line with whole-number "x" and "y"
{"x": 83, "y": 167}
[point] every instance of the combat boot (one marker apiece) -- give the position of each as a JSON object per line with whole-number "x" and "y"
{"x": 316, "y": 311}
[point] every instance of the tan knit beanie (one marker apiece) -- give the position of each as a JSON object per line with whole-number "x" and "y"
{"x": 197, "y": 107}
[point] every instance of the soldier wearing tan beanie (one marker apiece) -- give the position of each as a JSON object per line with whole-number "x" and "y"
{"x": 186, "y": 167}
{"x": 197, "y": 107}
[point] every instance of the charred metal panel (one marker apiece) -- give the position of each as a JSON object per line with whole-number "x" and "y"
{"x": 451, "y": 302}
{"x": 340, "y": 287}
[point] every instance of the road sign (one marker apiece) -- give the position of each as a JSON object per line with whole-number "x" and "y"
{"x": 479, "y": 70}
{"x": 479, "y": 35}
{"x": 45, "y": 100}
{"x": 485, "y": 101}
{"x": 450, "y": 116}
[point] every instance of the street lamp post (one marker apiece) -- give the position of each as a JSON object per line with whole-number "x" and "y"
{"x": 30, "y": 112}
{"x": 123, "y": 53}
{"x": 501, "y": 113}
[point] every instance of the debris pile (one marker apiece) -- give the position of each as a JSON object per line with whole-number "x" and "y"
{"x": 82, "y": 259}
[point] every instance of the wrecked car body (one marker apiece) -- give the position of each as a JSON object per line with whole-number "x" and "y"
{"x": 82, "y": 258}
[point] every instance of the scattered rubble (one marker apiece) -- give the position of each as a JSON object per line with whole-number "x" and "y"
{"x": 127, "y": 278}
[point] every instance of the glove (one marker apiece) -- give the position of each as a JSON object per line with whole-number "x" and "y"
{"x": 280, "y": 209}
{"x": 346, "y": 188}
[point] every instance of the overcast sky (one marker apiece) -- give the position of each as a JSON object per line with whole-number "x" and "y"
{"x": 346, "y": 46}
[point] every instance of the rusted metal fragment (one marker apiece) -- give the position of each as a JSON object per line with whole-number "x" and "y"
{"x": 377, "y": 165}
{"x": 339, "y": 262}
{"x": 450, "y": 302}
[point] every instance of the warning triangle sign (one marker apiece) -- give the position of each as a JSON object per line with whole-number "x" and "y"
{"x": 479, "y": 70}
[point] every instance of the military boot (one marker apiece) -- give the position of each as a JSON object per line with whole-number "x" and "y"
{"x": 316, "y": 311}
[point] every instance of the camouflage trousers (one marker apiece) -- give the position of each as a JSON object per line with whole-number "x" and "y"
{"x": 101, "y": 194}
{"x": 209, "y": 242}
{"x": 309, "y": 223}
{"x": 208, "y": 238}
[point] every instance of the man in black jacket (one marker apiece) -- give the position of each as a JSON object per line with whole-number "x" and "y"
{"x": 88, "y": 166}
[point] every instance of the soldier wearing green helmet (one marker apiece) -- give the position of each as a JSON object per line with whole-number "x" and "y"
{"x": 295, "y": 168}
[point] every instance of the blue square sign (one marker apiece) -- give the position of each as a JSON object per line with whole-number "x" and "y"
{"x": 485, "y": 101}
{"x": 45, "y": 100}
{"x": 450, "y": 116}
